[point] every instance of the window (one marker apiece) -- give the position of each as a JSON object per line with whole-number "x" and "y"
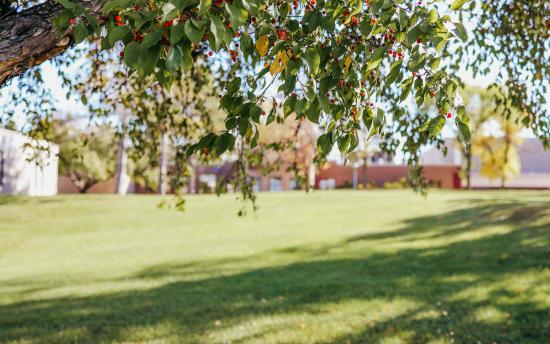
{"x": 275, "y": 184}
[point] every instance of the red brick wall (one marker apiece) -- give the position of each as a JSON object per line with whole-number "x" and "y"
{"x": 445, "y": 176}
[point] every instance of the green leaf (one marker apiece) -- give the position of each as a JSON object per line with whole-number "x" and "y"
{"x": 177, "y": 32}
{"x": 436, "y": 125}
{"x": 67, "y": 4}
{"x": 234, "y": 85}
{"x": 313, "y": 60}
{"x": 193, "y": 33}
{"x": 288, "y": 107}
{"x": 218, "y": 32}
{"x": 131, "y": 53}
{"x": 457, "y": 4}
{"x": 173, "y": 59}
{"x": 403, "y": 19}
{"x": 80, "y": 32}
{"x": 237, "y": 15}
{"x": 151, "y": 39}
{"x": 224, "y": 142}
{"x": 148, "y": 59}
{"x": 117, "y": 34}
{"x": 325, "y": 143}
{"x": 461, "y": 32}
{"x": 376, "y": 58}
{"x": 204, "y": 6}
{"x": 343, "y": 143}
{"x": 186, "y": 58}
{"x": 313, "y": 112}
{"x": 394, "y": 72}
{"x": 463, "y": 131}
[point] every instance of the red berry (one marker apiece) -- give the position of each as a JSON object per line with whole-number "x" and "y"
{"x": 168, "y": 23}
{"x": 121, "y": 54}
{"x": 118, "y": 18}
{"x": 419, "y": 40}
{"x": 237, "y": 34}
{"x": 71, "y": 21}
{"x": 210, "y": 53}
{"x": 120, "y": 23}
{"x": 449, "y": 115}
{"x": 312, "y": 2}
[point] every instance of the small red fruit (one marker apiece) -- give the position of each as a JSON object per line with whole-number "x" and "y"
{"x": 312, "y": 2}
{"x": 419, "y": 40}
{"x": 120, "y": 23}
{"x": 71, "y": 21}
{"x": 449, "y": 115}
{"x": 210, "y": 53}
{"x": 118, "y": 18}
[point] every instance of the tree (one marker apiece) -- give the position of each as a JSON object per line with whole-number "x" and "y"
{"x": 338, "y": 62}
{"x": 481, "y": 107}
{"x": 288, "y": 146}
{"x": 513, "y": 34}
{"x": 361, "y": 156}
{"x": 498, "y": 155}
{"x": 87, "y": 158}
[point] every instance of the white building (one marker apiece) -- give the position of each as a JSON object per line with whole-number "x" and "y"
{"x": 24, "y": 170}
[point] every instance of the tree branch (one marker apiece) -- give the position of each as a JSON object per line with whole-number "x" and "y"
{"x": 29, "y": 37}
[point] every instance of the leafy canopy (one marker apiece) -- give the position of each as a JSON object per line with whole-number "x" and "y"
{"x": 330, "y": 59}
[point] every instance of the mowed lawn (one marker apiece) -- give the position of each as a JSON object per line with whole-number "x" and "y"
{"x": 323, "y": 267}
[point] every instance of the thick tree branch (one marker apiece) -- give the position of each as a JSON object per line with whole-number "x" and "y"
{"x": 29, "y": 37}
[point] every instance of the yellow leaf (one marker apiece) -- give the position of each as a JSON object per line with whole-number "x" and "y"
{"x": 347, "y": 63}
{"x": 281, "y": 60}
{"x": 262, "y": 44}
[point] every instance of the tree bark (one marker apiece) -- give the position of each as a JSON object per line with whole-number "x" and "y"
{"x": 163, "y": 164}
{"x": 29, "y": 37}
{"x": 469, "y": 167}
{"x": 365, "y": 163}
{"x": 122, "y": 159}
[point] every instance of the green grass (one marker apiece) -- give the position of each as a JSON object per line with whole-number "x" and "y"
{"x": 326, "y": 267}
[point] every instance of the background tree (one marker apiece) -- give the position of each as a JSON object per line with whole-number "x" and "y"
{"x": 498, "y": 154}
{"x": 513, "y": 37}
{"x": 85, "y": 157}
{"x": 481, "y": 107}
{"x": 365, "y": 151}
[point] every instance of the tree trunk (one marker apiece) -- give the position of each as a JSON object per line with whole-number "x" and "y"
{"x": 469, "y": 167}
{"x": 163, "y": 164}
{"x": 87, "y": 186}
{"x": 122, "y": 159}
{"x": 365, "y": 162}
{"x": 29, "y": 37}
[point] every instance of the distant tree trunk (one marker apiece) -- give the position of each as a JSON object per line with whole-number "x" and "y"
{"x": 365, "y": 163}
{"x": 163, "y": 164}
{"x": 469, "y": 167}
{"x": 122, "y": 159}
{"x": 508, "y": 143}
{"x": 86, "y": 187}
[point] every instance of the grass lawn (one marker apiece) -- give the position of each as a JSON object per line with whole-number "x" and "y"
{"x": 324, "y": 267}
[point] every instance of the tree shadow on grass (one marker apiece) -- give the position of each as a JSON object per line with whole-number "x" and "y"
{"x": 450, "y": 284}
